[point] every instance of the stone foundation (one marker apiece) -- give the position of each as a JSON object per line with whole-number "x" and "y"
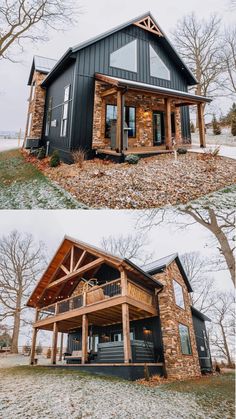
{"x": 178, "y": 365}
{"x": 145, "y": 104}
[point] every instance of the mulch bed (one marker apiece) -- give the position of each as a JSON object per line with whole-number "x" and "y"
{"x": 153, "y": 182}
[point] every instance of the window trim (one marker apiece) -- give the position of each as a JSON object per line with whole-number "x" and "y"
{"x": 190, "y": 344}
{"x": 156, "y": 77}
{"x": 65, "y": 102}
{"x": 184, "y": 305}
{"x": 33, "y": 88}
{"x": 135, "y": 121}
{"x": 48, "y": 117}
{"x": 136, "y": 58}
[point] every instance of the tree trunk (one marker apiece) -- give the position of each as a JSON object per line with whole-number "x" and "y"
{"x": 226, "y": 346}
{"x": 16, "y": 325}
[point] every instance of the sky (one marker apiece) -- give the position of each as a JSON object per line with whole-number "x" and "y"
{"x": 97, "y": 17}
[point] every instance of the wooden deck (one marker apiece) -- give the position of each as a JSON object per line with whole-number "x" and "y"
{"x": 139, "y": 151}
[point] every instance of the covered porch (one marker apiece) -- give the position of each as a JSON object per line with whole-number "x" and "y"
{"x": 137, "y": 118}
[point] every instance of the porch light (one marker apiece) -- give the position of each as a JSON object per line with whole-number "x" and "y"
{"x": 147, "y": 331}
{"x": 146, "y": 113}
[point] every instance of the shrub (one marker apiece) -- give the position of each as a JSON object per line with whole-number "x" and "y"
{"x": 49, "y": 352}
{"x": 132, "y": 159}
{"x": 41, "y": 154}
{"x": 216, "y": 126}
{"x": 192, "y": 127}
{"x": 182, "y": 150}
{"x": 79, "y": 157}
{"x": 39, "y": 349}
{"x": 233, "y": 126}
{"x": 55, "y": 159}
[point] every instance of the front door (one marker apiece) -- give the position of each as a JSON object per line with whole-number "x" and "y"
{"x": 158, "y": 128}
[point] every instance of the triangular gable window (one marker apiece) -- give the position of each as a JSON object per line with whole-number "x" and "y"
{"x": 157, "y": 67}
{"x": 125, "y": 58}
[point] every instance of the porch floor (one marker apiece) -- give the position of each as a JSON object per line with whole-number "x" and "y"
{"x": 139, "y": 151}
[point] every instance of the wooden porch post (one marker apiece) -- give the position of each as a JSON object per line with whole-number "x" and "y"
{"x": 124, "y": 284}
{"x": 126, "y": 333}
{"x": 168, "y": 123}
{"x": 54, "y": 344}
{"x": 61, "y": 348}
{"x": 201, "y": 125}
{"x": 84, "y": 338}
{"x": 33, "y": 346}
{"x": 119, "y": 123}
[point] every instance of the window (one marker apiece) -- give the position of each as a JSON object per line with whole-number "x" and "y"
{"x": 125, "y": 58}
{"x": 129, "y": 118}
{"x": 179, "y": 296}
{"x": 157, "y": 67}
{"x": 48, "y": 117}
{"x": 65, "y": 110}
{"x": 185, "y": 340}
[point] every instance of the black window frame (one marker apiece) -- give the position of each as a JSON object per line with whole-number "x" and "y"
{"x": 189, "y": 339}
{"x": 126, "y": 108}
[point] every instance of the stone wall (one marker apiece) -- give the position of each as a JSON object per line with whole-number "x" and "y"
{"x": 36, "y": 107}
{"x": 145, "y": 104}
{"x": 178, "y": 365}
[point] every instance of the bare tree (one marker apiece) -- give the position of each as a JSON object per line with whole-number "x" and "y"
{"x": 31, "y": 19}
{"x": 197, "y": 269}
{"x": 131, "y": 246}
{"x": 21, "y": 261}
{"x": 227, "y": 82}
{"x": 198, "y": 44}
{"x": 223, "y": 319}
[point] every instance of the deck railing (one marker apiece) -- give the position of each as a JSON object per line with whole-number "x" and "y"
{"x": 97, "y": 294}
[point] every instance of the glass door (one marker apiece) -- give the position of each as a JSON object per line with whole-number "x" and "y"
{"x": 158, "y": 128}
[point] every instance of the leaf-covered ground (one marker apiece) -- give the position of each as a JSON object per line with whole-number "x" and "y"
{"x": 23, "y": 186}
{"x": 153, "y": 182}
{"x": 38, "y": 393}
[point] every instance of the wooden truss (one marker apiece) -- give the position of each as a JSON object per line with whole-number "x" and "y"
{"x": 148, "y": 24}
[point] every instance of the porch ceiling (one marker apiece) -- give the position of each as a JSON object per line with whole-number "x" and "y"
{"x": 185, "y": 97}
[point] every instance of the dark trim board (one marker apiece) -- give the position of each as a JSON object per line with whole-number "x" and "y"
{"x": 124, "y": 371}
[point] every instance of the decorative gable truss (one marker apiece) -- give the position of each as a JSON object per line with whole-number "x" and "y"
{"x": 148, "y": 24}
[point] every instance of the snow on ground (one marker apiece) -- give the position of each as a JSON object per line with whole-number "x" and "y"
{"x": 10, "y": 144}
{"x": 225, "y": 140}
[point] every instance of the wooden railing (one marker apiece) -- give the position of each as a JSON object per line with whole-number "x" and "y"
{"x": 97, "y": 294}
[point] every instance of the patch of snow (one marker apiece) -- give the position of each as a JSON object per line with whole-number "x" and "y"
{"x": 10, "y": 144}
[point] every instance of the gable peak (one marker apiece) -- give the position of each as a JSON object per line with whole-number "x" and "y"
{"x": 149, "y": 25}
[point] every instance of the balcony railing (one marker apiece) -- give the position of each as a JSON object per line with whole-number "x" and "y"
{"x": 97, "y": 294}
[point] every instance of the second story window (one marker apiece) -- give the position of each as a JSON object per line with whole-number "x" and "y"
{"x": 65, "y": 111}
{"x": 179, "y": 295}
{"x": 33, "y": 91}
{"x": 157, "y": 67}
{"x": 125, "y": 58}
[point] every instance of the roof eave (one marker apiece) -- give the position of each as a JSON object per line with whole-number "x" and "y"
{"x": 57, "y": 67}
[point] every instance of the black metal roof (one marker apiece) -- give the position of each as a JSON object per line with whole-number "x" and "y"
{"x": 159, "y": 265}
{"x": 200, "y": 315}
{"x": 165, "y": 41}
{"x": 42, "y": 64}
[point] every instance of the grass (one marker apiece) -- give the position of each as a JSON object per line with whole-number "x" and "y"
{"x": 23, "y": 186}
{"x": 212, "y": 393}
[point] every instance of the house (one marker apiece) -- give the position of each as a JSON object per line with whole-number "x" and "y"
{"x": 123, "y": 92}
{"x": 120, "y": 318}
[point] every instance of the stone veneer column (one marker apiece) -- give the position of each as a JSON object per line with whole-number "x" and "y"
{"x": 36, "y": 107}
{"x": 177, "y": 365}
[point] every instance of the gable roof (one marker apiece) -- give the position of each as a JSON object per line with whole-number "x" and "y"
{"x": 159, "y": 265}
{"x": 163, "y": 39}
{"x": 59, "y": 256}
{"x": 200, "y": 315}
{"x": 42, "y": 64}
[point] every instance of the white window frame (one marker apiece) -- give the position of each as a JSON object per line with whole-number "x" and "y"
{"x": 64, "y": 115}
{"x": 175, "y": 285}
{"x": 167, "y": 69}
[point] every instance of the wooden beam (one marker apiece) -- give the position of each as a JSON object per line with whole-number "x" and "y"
{"x": 84, "y": 338}
{"x": 201, "y": 125}
{"x": 61, "y": 348}
{"x": 80, "y": 261}
{"x": 33, "y": 346}
{"x": 124, "y": 283}
{"x": 126, "y": 333}
{"x": 109, "y": 92}
{"x": 168, "y": 124}
{"x": 64, "y": 269}
{"x": 106, "y": 79}
{"x": 54, "y": 344}
{"x": 148, "y": 24}
{"x": 72, "y": 259}
{"x": 78, "y": 272}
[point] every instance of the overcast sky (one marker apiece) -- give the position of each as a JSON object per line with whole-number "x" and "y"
{"x": 98, "y": 16}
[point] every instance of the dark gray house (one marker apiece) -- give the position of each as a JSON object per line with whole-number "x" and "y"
{"x": 125, "y": 91}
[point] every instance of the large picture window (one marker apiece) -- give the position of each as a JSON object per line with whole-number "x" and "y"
{"x": 65, "y": 111}
{"x": 129, "y": 118}
{"x": 185, "y": 340}
{"x": 179, "y": 296}
{"x": 125, "y": 57}
{"x": 157, "y": 67}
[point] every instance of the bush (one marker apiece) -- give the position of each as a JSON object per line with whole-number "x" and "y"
{"x": 79, "y": 157}
{"x": 41, "y": 154}
{"x": 49, "y": 352}
{"x": 216, "y": 126}
{"x": 39, "y": 349}
{"x": 55, "y": 159}
{"x": 192, "y": 127}
{"x": 132, "y": 159}
{"x": 233, "y": 126}
{"x": 182, "y": 150}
